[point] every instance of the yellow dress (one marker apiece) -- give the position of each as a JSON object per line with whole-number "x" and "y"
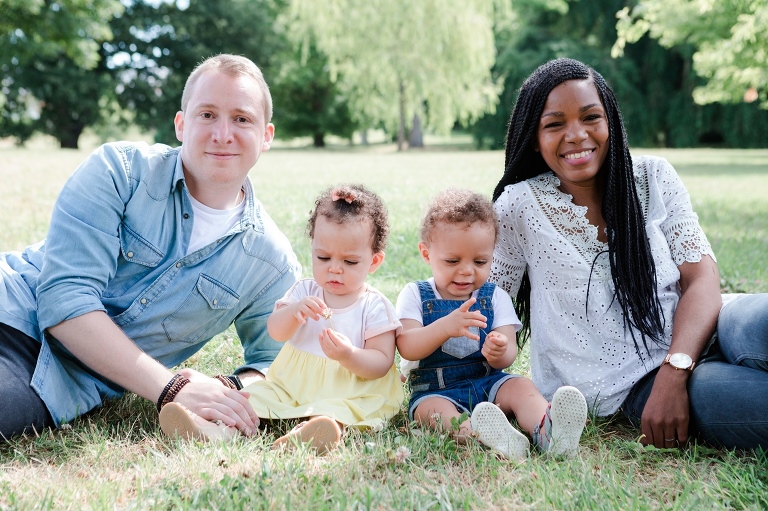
{"x": 303, "y": 382}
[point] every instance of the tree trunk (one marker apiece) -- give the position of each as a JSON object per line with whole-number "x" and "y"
{"x": 318, "y": 140}
{"x": 69, "y": 136}
{"x": 363, "y": 137}
{"x": 416, "y": 138}
{"x": 401, "y": 123}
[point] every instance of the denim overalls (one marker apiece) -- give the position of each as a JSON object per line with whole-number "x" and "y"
{"x": 456, "y": 371}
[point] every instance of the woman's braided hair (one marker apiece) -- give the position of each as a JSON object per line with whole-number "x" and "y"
{"x": 632, "y": 267}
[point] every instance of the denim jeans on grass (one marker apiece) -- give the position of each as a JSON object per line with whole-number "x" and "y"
{"x": 728, "y": 389}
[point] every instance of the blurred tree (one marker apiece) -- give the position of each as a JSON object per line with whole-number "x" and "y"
{"x": 157, "y": 44}
{"x": 306, "y": 101}
{"x": 730, "y": 38}
{"x": 52, "y": 75}
{"x": 653, "y": 84}
{"x": 397, "y": 59}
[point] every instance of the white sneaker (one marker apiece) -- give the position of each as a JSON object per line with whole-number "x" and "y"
{"x": 493, "y": 429}
{"x": 567, "y": 414}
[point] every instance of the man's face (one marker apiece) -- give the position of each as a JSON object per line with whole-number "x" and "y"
{"x": 223, "y": 132}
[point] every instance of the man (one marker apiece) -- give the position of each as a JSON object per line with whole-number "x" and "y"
{"x": 151, "y": 252}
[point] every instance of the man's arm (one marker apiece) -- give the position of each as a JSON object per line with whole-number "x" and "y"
{"x": 98, "y": 343}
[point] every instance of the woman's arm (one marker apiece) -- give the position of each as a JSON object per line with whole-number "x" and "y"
{"x": 666, "y": 413}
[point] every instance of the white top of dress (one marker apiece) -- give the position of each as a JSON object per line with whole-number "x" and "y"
{"x": 371, "y": 315}
{"x": 409, "y": 306}
{"x": 574, "y": 342}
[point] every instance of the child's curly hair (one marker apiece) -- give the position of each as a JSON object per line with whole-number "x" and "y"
{"x": 353, "y": 202}
{"x": 458, "y": 206}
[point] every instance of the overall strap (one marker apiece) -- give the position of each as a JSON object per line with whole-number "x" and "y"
{"x": 425, "y": 290}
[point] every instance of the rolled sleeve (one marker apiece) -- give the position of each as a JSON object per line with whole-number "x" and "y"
{"x": 84, "y": 234}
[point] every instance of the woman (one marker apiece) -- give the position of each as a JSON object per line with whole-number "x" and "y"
{"x": 615, "y": 280}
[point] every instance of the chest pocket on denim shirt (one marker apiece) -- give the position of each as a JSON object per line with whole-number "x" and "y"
{"x": 199, "y": 315}
{"x": 461, "y": 347}
{"x": 143, "y": 258}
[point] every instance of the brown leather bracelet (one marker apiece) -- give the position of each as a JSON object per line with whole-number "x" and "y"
{"x": 170, "y": 391}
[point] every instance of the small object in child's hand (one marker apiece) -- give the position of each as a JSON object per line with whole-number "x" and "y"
{"x": 327, "y": 313}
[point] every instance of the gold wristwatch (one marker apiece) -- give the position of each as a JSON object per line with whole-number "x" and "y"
{"x": 679, "y": 361}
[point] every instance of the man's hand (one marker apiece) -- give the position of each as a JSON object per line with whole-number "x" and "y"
{"x": 211, "y": 400}
{"x": 666, "y": 414}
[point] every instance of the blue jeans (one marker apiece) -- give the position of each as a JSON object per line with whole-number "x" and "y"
{"x": 728, "y": 389}
{"x": 21, "y": 409}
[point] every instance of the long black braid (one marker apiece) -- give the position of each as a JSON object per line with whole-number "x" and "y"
{"x": 632, "y": 267}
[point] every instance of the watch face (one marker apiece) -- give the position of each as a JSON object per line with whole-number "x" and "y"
{"x": 680, "y": 360}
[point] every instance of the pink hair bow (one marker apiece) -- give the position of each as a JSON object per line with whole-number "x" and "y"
{"x": 342, "y": 195}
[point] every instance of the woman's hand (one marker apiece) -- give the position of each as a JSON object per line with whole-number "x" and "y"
{"x": 664, "y": 422}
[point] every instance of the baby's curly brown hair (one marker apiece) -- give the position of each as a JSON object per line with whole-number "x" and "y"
{"x": 353, "y": 202}
{"x": 458, "y": 206}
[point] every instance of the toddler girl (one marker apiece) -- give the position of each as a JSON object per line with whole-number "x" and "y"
{"x": 337, "y": 366}
{"x": 456, "y": 340}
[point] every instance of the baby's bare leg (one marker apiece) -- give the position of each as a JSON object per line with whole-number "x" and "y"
{"x": 437, "y": 412}
{"x": 520, "y": 397}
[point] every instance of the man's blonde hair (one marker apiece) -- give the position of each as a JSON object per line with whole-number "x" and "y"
{"x": 231, "y": 65}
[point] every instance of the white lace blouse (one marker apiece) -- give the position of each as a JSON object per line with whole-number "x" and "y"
{"x": 574, "y": 342}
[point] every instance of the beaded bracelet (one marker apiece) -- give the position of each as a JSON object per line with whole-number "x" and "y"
{"x": 170, "y": 391}
{"x": 230, "y": 380}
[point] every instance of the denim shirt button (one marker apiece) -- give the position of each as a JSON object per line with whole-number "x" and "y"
{"x": 215, "y": 301}
{"x": 178, "y": 265}
{"x": 143, "y": 301}
{"x": 129, "y": 254}
{"x": 186, "y": 215}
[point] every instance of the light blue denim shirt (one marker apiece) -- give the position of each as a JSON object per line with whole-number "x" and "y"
{"x": 117, "y": 243}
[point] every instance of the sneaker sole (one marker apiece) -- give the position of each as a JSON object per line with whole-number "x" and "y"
{"x": 322, "y": 433}
{"x": 569, "y": 416}
{"x": 177, "y": 421}
{"x": 494, "y": 430}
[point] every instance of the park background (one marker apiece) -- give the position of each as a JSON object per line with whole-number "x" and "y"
{"x": 359, "y": 87}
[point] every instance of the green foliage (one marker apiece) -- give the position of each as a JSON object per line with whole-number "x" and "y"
{"x": 395, "y": 58}
{"x": 306, "y": 100}
{"x": 156, "y": 46}
{"x": 730, "y": 38}
{"x": 52, "y": 73}
{"x": 653, "y": 84}
{"x": 46, "y": 29}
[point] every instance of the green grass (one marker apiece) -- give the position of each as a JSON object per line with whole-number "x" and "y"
{"x": 117, "y": 457}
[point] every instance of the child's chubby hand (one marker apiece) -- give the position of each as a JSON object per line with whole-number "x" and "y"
{"x": 495, "y": 346}
{"x": 335, "y": 345}
{"x": 309, "y": 307}
{"x": 459, "y": 322}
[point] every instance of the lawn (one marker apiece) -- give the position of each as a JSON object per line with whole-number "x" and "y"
{"x": 117, "y": 457}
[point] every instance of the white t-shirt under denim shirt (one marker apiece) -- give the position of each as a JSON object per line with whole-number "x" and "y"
{"x": 574, "y": 342}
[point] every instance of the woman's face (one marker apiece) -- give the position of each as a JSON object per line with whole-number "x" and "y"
{"x": 573, "y": 134}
